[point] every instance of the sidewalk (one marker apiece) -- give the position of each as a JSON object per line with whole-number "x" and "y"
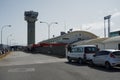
{"x": 4, "y": 55}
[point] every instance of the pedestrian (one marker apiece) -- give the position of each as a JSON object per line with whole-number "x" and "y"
{"x": 69, "y": 49}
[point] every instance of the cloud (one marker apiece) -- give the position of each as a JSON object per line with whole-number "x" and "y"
{"x": 95, "y": 25}
{"x": 90, "y": 26}
{"x": 116, "y": 14}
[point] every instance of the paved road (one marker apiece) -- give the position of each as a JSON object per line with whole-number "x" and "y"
{"x": 21, "y": 58}
{"x": 50, "y": 68}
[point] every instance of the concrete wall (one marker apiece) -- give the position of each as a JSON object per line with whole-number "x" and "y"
{"x": 54, "y": 50}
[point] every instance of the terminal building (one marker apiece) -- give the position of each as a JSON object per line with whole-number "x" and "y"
{"x": 112, "y": 43}
{"x": 115, "y": 33}
{"x": 58, "y": 45}
{"x": 102, "y": 43}
{"x": 98, "y": 42}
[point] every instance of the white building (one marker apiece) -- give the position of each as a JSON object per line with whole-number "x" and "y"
{"x": 112, "y": 43}
{"x": 98, "y": 42}
{"x": 102, "y": 43}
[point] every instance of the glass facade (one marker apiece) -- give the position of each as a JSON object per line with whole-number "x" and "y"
{"x": 116, "y": 33}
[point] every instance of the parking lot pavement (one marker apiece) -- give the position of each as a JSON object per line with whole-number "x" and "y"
{"x": 22, "y": 58}
{"x": 57, "y": 71}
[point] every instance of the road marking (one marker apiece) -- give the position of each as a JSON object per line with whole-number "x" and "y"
{"x": 22, "y": 70}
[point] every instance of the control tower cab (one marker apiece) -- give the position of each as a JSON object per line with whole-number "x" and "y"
{"x": 31, "y": 18}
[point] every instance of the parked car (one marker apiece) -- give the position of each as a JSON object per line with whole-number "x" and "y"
{"x": 0, "y": 52}
{"x": 3, "y": 52}
{"x": 81, "y": 53}
{"x": 108, "y": 58}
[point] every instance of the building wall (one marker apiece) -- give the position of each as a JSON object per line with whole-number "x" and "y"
{"x": 59, "y": 51}
{"x": 112, "y": 45}
{"x": 100, "y": 46}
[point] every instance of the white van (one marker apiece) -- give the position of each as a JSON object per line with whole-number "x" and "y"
{"x": 81, "y": 53}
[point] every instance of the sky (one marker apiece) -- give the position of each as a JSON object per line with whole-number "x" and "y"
{"x": 85, "y": 15}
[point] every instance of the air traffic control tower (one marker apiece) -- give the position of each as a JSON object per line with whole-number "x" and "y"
{"x": 31, "y": 18}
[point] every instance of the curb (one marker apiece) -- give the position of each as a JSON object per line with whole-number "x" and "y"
{"x": 4, "y": 55}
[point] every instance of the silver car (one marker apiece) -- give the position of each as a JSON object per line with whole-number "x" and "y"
{"x": 108, "y": 58}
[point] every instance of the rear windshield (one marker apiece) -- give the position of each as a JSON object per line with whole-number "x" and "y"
{"x": 117, "y": 53}
{"x": 90, "y": 49}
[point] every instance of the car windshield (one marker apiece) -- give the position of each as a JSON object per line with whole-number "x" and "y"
{"x": 116, "y": 53}
{"x": 90, "y": 49}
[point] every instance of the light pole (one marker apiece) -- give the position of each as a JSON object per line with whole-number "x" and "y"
{"x": 104, "y": 28}
{"x": 49, "y": 24}
{"x": 8, "y": 38}
{"x": 2, "y": 30}
{"x": 11, "y": 42}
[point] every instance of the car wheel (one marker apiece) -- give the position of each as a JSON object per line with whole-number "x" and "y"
{"x": 69, "y": 60}
{"x": 91, "y": 63}
{"x": 107, "y": 65}
{"x": 80, "y": 61}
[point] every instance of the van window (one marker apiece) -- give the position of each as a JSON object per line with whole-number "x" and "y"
{"x": 90, "y": 49}
{"x": 78, "y": 49}
{"x": 74, "y": 50}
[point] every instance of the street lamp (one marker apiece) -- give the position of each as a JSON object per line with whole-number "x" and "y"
{"x": 8, "y": 38}
{"x": 2, "y": 30}
{"x": 49, "y": 24}
{"x": 11, "y": 41}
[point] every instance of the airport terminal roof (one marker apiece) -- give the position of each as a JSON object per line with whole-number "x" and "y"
{"x": 70, "y": 34}
{"x": 91, "y": 41}
{"x": 112, "y": 39}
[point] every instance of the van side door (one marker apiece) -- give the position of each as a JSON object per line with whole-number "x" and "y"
{"x": 72, "y": 54}
{"x": 79, "y": 53}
